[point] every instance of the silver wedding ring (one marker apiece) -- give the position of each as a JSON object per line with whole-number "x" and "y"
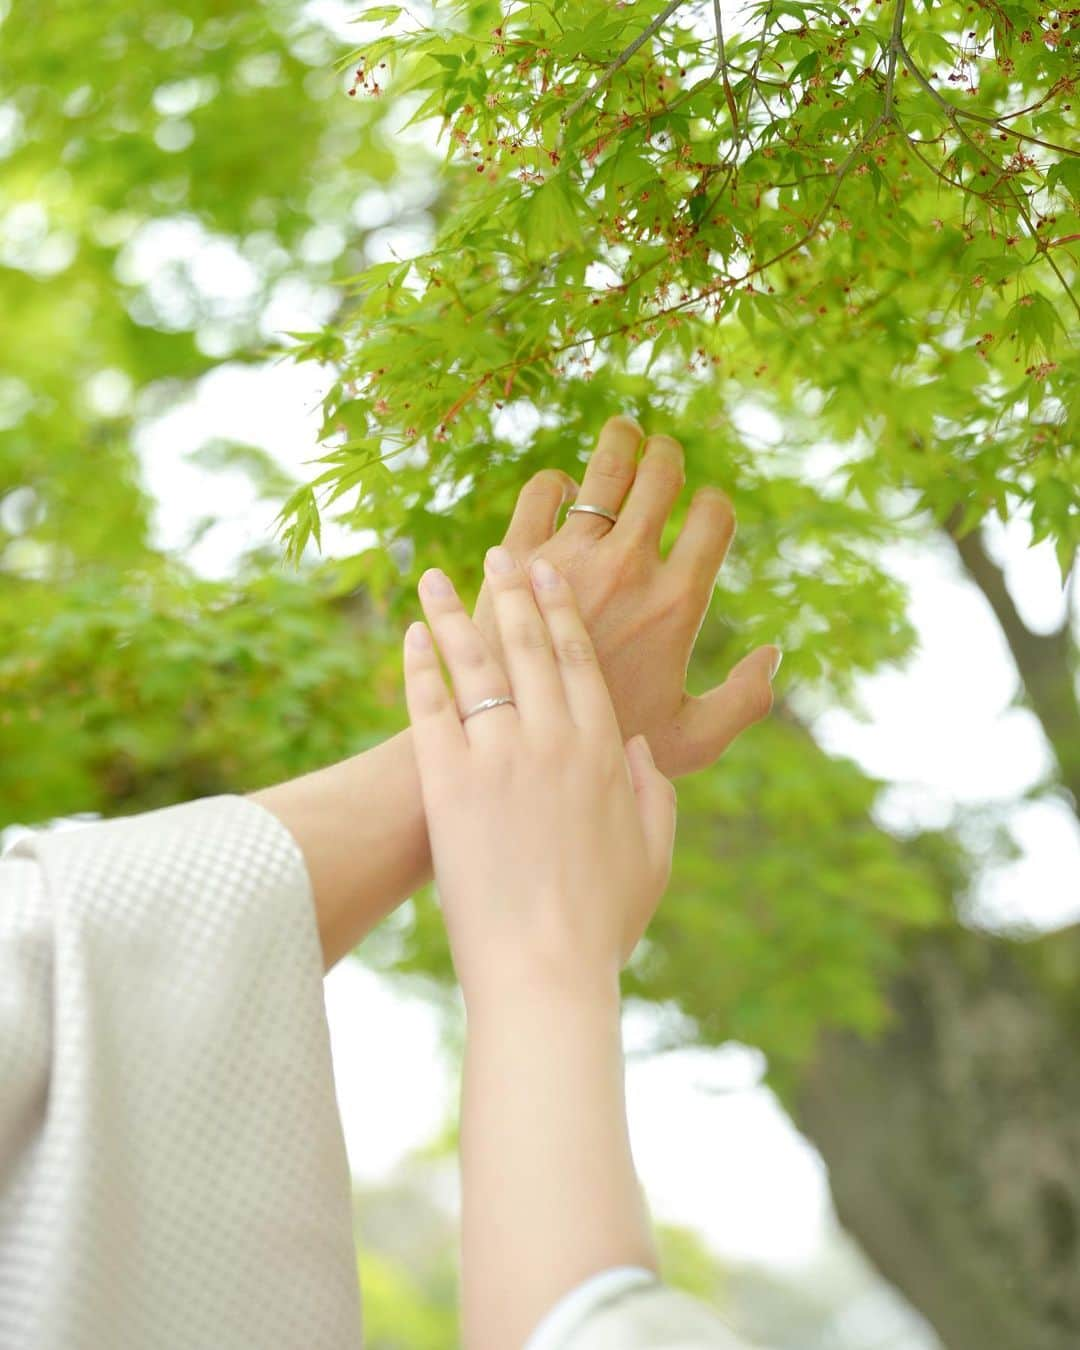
{"x": 593, "y": 511}
{"x": 487, "y": 703}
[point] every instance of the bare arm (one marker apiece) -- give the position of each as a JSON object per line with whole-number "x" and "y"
{"x": 360, "y": 826}
{"x": 549, "y": 1192}
{"x": 552, "y": 846}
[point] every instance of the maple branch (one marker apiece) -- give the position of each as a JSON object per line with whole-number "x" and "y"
{"x": 954, "y": 114}
{"x": 621, "y": 59}
{"x": 957, "y": 184}
{"x": 722, "y": 67}
{"x": 895, "y": 44}
{"x": 834, "y": 192}
{"x": 954, "y": 111}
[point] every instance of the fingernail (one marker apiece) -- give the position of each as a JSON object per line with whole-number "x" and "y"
{"x": 436, "y": 582}
{"x": 629, "y": 417}
{"x": 778, "y": 656}
{"x": 543, "y": 574}
{"x": 663, "y": 442}
{"x": 646, "y": 748}
{"x": 500, "y": 559}
{"x": 417, "y": 637}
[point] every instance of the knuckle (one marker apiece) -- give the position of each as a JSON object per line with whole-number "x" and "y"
{"x": 429, "y": 702}
{"x": 666, "y": 472}
{"x": 527, "y": 636}
{"x": 554, "y": 749}
{"x": 472, "y": 655}
{"x": 575, "y": 651}
{"x": 496, "y": 758}
{"x": 683, "y": 599}
{"x": 546, "y": 483}
{"x": 631, "y": 551}
{"x": 611, "y": 465}
{"x": 664, "y": 461}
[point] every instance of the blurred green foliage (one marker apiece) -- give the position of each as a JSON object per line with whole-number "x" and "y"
{"x": 846, "y": 394}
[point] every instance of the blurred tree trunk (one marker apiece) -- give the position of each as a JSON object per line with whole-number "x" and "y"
{"x": 953, "y": 1142}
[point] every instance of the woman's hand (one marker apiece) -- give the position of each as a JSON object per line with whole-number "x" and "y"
{"x": 643, "y": 611}
{"x": 551, "y": 842}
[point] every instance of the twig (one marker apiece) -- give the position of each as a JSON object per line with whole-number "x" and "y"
{"x": 951, "y": 182}
{"x": 895, "y": 42}
{"x": 468, "y": 395}
{"x": 954, "y": 114}
{"x": 816, "y": 223}
{"x": 722, "y": 68}
{"x": 954, "y": 110}
{"x": 621, "y": 60}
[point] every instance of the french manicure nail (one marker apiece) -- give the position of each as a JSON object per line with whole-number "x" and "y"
{"x": 778, "y": 656}
{"x": 544, "y": 574}
{"x": 436, "y": 582}
{"x": 500, "y": 559}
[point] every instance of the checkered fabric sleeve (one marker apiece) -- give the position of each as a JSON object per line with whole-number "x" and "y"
{"x": 172, "y": 1168}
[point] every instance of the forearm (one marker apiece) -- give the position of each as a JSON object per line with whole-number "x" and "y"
{"x": 550, "y": 1195}
{"x": 360, "y": 826}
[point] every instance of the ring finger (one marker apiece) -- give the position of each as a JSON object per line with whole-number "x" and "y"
{"x": 608, "y": 476}
{"x": 526, "y": 644}
{"x": 474, "y": 672}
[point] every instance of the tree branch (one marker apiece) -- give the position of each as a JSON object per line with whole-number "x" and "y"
{"x": 954, "y": 114}
{"x": 895, "y": 43}
{"x": 1044, "y": 661}
{"x": 722, "y": 68}
{"x": 621, "y": 59}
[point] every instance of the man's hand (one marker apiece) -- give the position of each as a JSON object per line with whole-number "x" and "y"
{"x": 642, "y": 611}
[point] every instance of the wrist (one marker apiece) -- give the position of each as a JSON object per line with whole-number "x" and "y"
{"x": 529, "y": 988}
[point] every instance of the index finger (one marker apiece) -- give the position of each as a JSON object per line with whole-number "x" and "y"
{"x": 587, "y": 694}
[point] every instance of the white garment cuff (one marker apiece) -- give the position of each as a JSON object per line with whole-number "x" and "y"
{"x": 573, "y": 1308}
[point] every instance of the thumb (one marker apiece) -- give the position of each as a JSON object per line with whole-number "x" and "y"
{"x": 714, "y": 720}
{"x": 537, "y": 509}
{"x": 655, "y": 803}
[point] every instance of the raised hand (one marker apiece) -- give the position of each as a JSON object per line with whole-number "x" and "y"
{"x": 643, "y": 612}
{"x": 551, "y": 842}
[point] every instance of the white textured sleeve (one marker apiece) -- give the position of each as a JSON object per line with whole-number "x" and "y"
{"x": 172, "y": 1169}
{"x": 573, "y": 1308}
{"x": 644, "y": 1315}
